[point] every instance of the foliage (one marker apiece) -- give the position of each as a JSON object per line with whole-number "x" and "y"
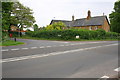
{"x": 35, "y": 27}
{"x": 5, "y": 36}
{"x": 115, "y": 18}
{"x": 14, "y": 13}
{"x": 6, "y": 14}
{"x": 56, "y": 26}
{"x": 22, "y": 15}
{"x": 70, "y": 34}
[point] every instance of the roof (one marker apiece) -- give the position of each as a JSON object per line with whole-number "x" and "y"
{"x": 93, "y": 21}
{"x": 67, "y": 23}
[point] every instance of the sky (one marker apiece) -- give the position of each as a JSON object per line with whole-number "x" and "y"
{"x": 46, "y": 10}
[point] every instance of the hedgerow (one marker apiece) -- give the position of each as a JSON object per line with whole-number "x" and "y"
{"x": 70, "y": 34}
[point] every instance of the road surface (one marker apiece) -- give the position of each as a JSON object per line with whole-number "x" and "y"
{"x": 60, "y": 59}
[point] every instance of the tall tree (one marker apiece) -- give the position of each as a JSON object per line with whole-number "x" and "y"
{"x": 22, "y": 15}
{"x": 14, "y": 13}
{"x": 6, "y": 14}
{"x": 115, "y": 18}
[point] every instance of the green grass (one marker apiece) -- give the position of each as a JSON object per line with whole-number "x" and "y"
{"x": 10, "y": 43}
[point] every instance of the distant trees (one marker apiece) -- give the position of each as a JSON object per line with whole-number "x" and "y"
{"x": 35, "y": 27}
{"x": 14, "y": 13}
{"x": 56, "y": 26}
{"x": 115, "y": 18}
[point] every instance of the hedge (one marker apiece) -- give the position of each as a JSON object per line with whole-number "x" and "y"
{"x": 70, "y": 34}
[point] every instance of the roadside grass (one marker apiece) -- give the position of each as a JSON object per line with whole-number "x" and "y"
{"x": 10, "y": 43}
{"x": 35, "y": 38}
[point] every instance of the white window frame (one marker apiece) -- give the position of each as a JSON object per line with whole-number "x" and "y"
{"x": 96, "y": 27}
{"x": 90, "y": 27}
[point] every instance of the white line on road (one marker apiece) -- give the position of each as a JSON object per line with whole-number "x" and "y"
{"x": 42, "y": 47}
{"x": 50, "y": 54}
{"x": 5, "y": 50}
{"x": 15, "y": 49}
{"x": 48, "y": 46}
{"x": 117, "y": 69}
{"x": 60, "y": 42}
{"x": 52, "y": 46}
{"x": 24, "y": 48}
{"x": 33, "y": 47}
{"x": 105, "y": 77}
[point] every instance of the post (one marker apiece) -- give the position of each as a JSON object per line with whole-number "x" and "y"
{"x": 15, "y": 39}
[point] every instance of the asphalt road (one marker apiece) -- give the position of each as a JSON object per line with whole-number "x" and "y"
{"x": 60, "y": 59}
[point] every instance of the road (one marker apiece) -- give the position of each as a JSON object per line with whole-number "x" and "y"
{"x": 60, "y": 59}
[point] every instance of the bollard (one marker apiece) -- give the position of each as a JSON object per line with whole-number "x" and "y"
{"x": 15, "y": 39}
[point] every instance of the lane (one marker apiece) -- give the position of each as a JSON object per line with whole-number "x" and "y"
{"x": 32, "y": 43}
{"x": 18, "y": 52}
{"x": 92, "y": 63}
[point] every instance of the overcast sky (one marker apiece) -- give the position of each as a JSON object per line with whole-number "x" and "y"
{"x": 46, "y": 10}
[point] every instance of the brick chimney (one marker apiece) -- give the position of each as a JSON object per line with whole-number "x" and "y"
{"x": 89, "y": 15}
{"x": 73, "y": 18}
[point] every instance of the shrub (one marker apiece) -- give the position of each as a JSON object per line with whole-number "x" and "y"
{"x": 70, "y": 34}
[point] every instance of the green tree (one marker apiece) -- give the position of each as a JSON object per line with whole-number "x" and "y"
{"x": 14, "y": 13}
{"x": 22, "y": 15}
{"x": 56, "y": 26}
{"x": 115, "y": 18}
{"x": 6, "y": 15}
{"x": 35, "y": 27}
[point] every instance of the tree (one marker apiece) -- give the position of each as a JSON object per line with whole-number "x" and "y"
{"x": 22, "y": 16}
{"x": 56, "y": 26}
{"x": 115, "y": 18}
{"x": 35, "y": 27}
{"x": 6, "y": 14}
{"x": 14, "y": 13}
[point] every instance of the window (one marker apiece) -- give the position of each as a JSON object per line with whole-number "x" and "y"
{"x": 96, "y": 27}
{"x": 90, "y": 28}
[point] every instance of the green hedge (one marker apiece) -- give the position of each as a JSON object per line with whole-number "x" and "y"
{"x": 70, "y": 34}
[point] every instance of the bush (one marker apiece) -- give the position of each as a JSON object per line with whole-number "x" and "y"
{"x": 70, "y": 34}
{"x": 112, "y": 35}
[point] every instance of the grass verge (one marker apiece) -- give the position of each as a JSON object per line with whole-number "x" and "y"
{"x": 10, "y": 43}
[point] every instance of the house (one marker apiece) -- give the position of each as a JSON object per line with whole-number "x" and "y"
{"x": 90, "y": 23}
{"x": 13, "y": 28}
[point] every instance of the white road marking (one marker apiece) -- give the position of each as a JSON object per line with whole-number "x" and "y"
{"x": 48, "y": 46}
{"x": 33, "y": 47}
{"x": 105, "y": 77}
{"x": 42, "y": 47}
{"x": 15, "y": 49}
{"x": 60, "y": 42}
{"x": 72, "y": 44}
{"x": 5, "y": 50}
{"x": 50, "y": 54}
{"x": 67, "y": 45}
{"x": 117, "y": 69}
{"x": 25, "y": 48}
{"x": 54, "y": 45}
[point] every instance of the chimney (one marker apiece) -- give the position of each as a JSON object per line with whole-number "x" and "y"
{"x": 73, "y": 17}
{"x": 89, "y": 15}
{"x": 103, "y": 14}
